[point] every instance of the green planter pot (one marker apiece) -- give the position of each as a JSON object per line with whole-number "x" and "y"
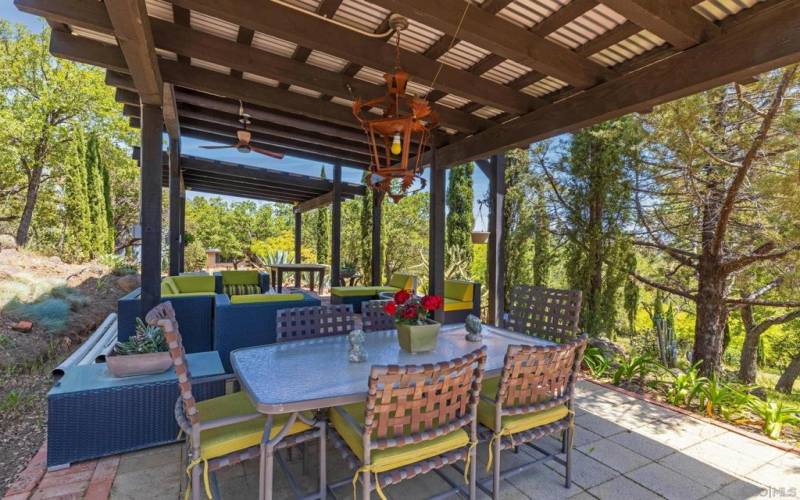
{"x": 418, "y": 338}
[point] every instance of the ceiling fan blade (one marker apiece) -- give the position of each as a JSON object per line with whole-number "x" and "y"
{"x": 278, "y": 156}
{"x": 243, "y": 136}
{"x": 217, "y": 147}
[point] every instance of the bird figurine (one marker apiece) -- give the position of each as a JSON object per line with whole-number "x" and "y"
{"x": 357, "y": 352}
{"x": 474, "y": 328}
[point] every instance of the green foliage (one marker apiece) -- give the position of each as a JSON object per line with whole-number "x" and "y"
{"x": 775, "y": 413}
{"x": 631, "y": 367}
{"x": 321, "y": 224}
{"x": 118, "y": 264}
{"x": 686, "y": 386}
{"x": 148, "y": 339}
{"x": 98, "y": 219}
{"x": 720, "y": 398}
{"x": 77, "y": 244}
{"x": 630, "y": 295}
{"x": 365, "y": 231}
{"x": 596, "y": 362}
{"x": 664, "y": 327}
{"x": 518, "y": 212}
{"x": 460, "y": 220}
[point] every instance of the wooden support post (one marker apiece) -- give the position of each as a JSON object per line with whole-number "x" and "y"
{"x": 298, "y": 244}
{"x": 336, "y": 226}
{"x": 175, "y": 241}
{"x": 377, "y": 228}
{"x": 182, "y": 224}
{"x": 496, "y": 261}
{"x": 150, "y": 171}
{"x": 436, "y": 239}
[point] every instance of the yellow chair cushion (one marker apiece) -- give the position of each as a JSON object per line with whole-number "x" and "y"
{"x": 194, "y": 284}
{"x": 401, "y": 281}
{"x": 456, "y": 305}
{"x": 191, "y": 294}
{"x": 458, "y": 290}
{"x": 239, "y": 277}
{"x": 514, "y": 423}
{"x": 392, "y": 458}
{"x": 260, "y": 298}
{"x": 168, "y": 287}
{"x": 221, "y": 441}
{"x": 360, "y": 291}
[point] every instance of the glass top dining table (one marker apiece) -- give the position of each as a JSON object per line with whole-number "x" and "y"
{"x": 316, "y": 373}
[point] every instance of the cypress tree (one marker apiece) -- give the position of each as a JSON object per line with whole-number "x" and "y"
{"x": 77, "y": 240}
{"x": 321, "y": 240}
{"x": 110, "y": 229}
{"x": 519, "y": 219}
{"x": 459, "y": 213}
{"x": 365, "y": 228}
{"x": 94, "y": 188}
{"x": 542, "y": 257}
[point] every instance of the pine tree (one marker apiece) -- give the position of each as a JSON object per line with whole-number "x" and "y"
{"x": 77, "y": 240}
{"x": 321, "y": 232}
{"x": 459, "y": 215}
{"x": 109, "y": 210}
{"x": 94, "y": 188}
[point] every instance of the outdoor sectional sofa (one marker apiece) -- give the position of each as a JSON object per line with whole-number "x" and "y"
{"x": 461, "y": 298}
{"x": 241, "y": 282}
{"x": 192, "y": 298}
{"x": 249, "y": 320}
{"x": 355, "y": 295}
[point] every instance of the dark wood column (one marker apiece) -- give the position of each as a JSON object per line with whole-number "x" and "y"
{"x": 175, "y": 240}
{"x": 150, "y": 171}
{"x": 436, "y": 239}
{"x": 496, "y": 259}
{"x": 298, "y": 244}
{"x": 182, "y": 224}
{"x": 336, "y": 226}
{"x": 377, "y": 227}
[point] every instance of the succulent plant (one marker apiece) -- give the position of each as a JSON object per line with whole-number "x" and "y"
{"x": 147, "y": 339}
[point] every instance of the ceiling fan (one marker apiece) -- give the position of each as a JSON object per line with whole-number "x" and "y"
{"x": 243, "y": 135}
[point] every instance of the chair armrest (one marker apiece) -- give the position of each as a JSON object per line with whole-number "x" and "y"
{"x": 222, "y": 300}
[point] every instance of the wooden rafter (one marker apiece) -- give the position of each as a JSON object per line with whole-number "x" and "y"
{"x": 170, "y": 110}
{"x": 674, "y": 21}
{"x": 132, "y": 29}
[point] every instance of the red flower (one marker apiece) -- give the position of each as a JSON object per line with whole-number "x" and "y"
{"x": 390, "y": 308}
{"x": 401, "y": 297}
{"x": 409, "y": 313}
{"x": 431, "y": 302}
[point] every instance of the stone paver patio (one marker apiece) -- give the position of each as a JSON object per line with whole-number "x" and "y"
{"x": 626, "y": 449}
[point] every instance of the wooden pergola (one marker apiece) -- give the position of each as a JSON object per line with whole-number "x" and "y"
{"x": 504, "y": 73}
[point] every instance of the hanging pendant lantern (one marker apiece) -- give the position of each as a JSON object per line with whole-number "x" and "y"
{"x": 400, "y": 129}
{"x": 481, "y": 237}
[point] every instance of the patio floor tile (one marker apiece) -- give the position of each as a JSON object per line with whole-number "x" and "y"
{"x": 669, "y": 483}
{"x": 693, "y": 468}
{"x": 642, "y": 445}
{"x": 723, "y": 457}
{"x": 586, "y": 471}
{"x": 622, "y": 488}
{"x": 614, "y": 455}
{"x": 598, "y": 425}
{"x": 541, "y": 482}
{"x": 743, "y": 490}
{"x": 777, "y": 477}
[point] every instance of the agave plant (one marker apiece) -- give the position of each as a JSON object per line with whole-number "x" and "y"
{"x": 720, "y": 398}
{"x": 774, "y": 413}
{"x": 595, "y": 361}
{"x": 635, "y": 366}
{"x": 686, "y": 386}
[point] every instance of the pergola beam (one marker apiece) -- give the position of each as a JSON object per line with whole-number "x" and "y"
{"x": 674, "y": 21}
{"x": 132, "y": 29}
{"x": 503, "y": 38}
{"x": 316, "y": 34}
{"x": 322, "y": 200}
{"x": 170, "y": 110}
{"x": 763, "y": 41}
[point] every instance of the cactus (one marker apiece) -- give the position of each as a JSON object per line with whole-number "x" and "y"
{"x": 664, "y": 326}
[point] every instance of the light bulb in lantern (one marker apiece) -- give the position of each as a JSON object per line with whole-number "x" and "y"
{"x": 397, "y": 147}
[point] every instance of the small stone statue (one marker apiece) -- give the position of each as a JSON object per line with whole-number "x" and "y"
{"x": 357, "y": 352}
{"x": 474, "y": 328}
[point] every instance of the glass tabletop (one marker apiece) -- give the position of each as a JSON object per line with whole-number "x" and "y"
{"x": 315, "y": 373}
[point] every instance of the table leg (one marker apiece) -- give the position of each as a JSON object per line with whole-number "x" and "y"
{"x": 321, "y": 280}
{"x": 280, "y": 280}
{"x": 266, "y": 473}
{"x": 311, "y": 280}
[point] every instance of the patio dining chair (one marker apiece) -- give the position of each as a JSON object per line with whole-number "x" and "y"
{"x": 225, "y": 430}
{"x": 547, "y": 313}
{"x": 416, "y": 419}
{"x": 298, "y": 323}
{"x": 373, "y": 318}
{"x": 533, "y": 398}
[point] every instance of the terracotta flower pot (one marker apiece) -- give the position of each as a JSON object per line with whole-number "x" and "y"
{"x": 418, "y": 338}
{"x": 138, "y": 364}
{"x": 480, "y": 237}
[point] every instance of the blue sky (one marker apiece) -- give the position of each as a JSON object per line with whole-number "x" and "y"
{"x": 289, "y": 164}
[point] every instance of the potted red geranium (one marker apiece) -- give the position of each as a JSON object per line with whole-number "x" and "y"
{"x": 416, "y": 331}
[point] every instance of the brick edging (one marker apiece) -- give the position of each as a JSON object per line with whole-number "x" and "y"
{"x": 697, "y": 416}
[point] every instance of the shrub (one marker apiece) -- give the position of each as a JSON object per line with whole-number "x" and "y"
{"x": 686, "y": 386}
{"x": 51, "y": 313}
{"x": 774, "y": 413}
{"x": 635, "y": 366}
{"x": 596, "y": 362}
{"x": 720, "y": 398}
{"x": 118, "y": 264}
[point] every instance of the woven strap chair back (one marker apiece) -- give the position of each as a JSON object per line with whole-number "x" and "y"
{"x": 547, "y": 313}
{"x": 299, "y": 323}
{"x": 535, "y": 378}
{"x": 419, "y": 402}
{"x": 163, "y": 316}
{"x": 373, "y": 317}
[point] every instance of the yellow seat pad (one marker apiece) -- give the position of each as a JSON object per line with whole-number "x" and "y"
{"x": 514, "y": 423}
{"x": 392, "y": 458}
{"x": 360, "y": 291}
{"x": 259, "y": 298}
{"x": 456, "y": 305}
{"x": 231, "y": 438}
